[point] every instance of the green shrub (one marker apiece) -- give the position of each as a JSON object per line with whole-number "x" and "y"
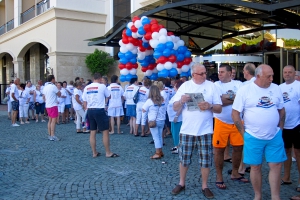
{"x": 99, "y": 61}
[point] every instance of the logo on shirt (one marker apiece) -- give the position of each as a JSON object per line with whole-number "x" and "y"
{"x": 265, "y": 102}
{"x": 142, "y": 92}
{"x": 91, "y": 90}
{"x": 130, "y": 89}
{"x": 286, "y": 97}
{"x": 115, "y": 88}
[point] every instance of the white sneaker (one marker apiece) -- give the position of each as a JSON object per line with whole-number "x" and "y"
{"x": 22, "y": 123}
{"x": 293, "y": 159}
{"x": 36, "y": 121}
{"x": 43, "y": 121}
{"x": 15, "y": 124}
{"x": 27, "y": 122}
{"x": 54, "y": 138}
{"x": 49, "y": 137}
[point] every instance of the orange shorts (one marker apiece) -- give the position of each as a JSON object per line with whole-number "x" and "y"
{"x": 223, "y": 132}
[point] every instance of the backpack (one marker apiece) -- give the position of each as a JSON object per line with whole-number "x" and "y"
{"x": 136, "y": 96}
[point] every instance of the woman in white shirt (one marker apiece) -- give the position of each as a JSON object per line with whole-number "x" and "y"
{"x": 24, "y": 98}
{"x": 61, "y": 102}
{"x": 131, "y": 106}
{"x": 140, "y": 116}
{"x": 78, "y": 107}
{"x": 156, "y": 109}
{"x": 39, "y": 103}
{"x": 67, "y": 102}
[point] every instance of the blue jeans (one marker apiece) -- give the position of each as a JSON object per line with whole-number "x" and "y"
{"x": 157, "y": 134}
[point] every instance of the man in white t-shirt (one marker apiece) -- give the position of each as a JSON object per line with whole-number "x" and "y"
{"x": 290, "y": 134}
{"x": 225, "y": 130}
{"x": 297, "y": 75}
{"x": 14, "y": 98}
{"x": 50, "y": 94}
{"x": 115, "y": 108}
{"x": 30, "y": 89}
{"x": 197, "y": 125}
{"x": 261, "y": 103}
{"x": 249, "y": 71}
{"x": 94, "y": 100}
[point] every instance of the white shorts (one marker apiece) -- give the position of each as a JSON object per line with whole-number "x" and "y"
{"x": 23, "y": 110}
{"x": 140, "y": 116}
{"x": 61, "y": 108}
{"x": 115, "y": 112}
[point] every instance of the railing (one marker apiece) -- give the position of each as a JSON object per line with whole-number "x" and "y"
{"x": 2, "y": 29}
{"x": 42, "y": 6}
{"x": 7, "y": 27}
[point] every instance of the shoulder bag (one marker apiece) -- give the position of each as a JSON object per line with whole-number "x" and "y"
{"x": 152, "y": 124}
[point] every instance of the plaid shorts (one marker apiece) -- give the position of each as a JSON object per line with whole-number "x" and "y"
{"x": 203, "y": 143}
{"x": 31, "y": 106}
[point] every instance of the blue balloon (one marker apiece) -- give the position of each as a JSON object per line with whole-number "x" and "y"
{"x": 141, "y": 31}
{"x": 163, "y": 73}
{"x": 167, "y": 52}
{"x": 146, "y": 44}
{"x": 187, "y": 54}
{"x": 133, "y": 60}
{"x": 184, "y": 74}
{"x": 160, "y": 47}
{"x": 121, "y": 55}
{"x": 128, "y": 77}
{"x": 180, "y": 57}
{"x": 182, "y": 49}
{"x": 123, "y": 61}
{"x": 145, "y": 21}
{"x": 152, "y": 61}
{"x": 128, "y": 32}
{"x": 157, "y": 54}
{"x": 174, "y": 52}
{"x": 154, "y": 76}
{"x": 189, "y": 73}
{"x": 169, "y": 45}
{"x": 148, "y": 58}
{"x": 134, "y": 76}
{"x": 128, "y": 55}
{"x": 122, "y": 78}
{"x": 144, "y": 63}
{"x": 173, "y": 72}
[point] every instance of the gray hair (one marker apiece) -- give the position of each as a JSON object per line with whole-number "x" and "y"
{"x": 250, "y": 67}
{"x": 258, "y": 71}
{"x": 291, "y": 66}
{"x": 196, "y": 65}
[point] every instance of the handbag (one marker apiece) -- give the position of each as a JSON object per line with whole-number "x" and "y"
{"x": 5, "y": 100}
{"x": 136, "y": 96}
{"x": 152, "y": 124}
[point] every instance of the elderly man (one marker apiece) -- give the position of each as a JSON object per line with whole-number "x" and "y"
{"x": 197, "y": 127}
{"x": 14, "y": 98}
{"x": 94, "y": 100}
{"x": 249, "y": 72}
{"x": 261, "y": 103}
{"x": 291, "y": 96}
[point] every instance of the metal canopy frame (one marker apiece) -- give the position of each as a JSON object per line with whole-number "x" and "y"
{"x": 209, "y": 22}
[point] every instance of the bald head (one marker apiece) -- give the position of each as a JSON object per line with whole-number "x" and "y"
{"x": 17, "y": 81}
{"x": 264, "y": 75}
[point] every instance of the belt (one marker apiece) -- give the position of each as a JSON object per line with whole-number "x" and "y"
{"x": 95, "y": 108}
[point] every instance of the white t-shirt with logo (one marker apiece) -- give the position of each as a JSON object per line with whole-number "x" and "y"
{"x": 172, "y": 113}
{"x": 129, "y": 94}
{"x": 50, "y": 92}
{"x": 68, "y": 96}
{"x": 227, "y": 88}
{"x": 94, "y": 94}
{"x": 250, "y": 81}
{"x": 291, "y": 97}
{"x": 76, "y": 105}
{"x": 30, "y": 89}
{"x": 143, "y": 94}
{"x": 260, "y": 108}
{"x": 14, "y": 89}
{"x": 61, "y": 99}
{"x": 154, "y": 111}
{"x": 39, "y": 96}
{"x": 198, "y": 122}
{"x": 116, "y": 93}
{"x": 23, "y": 97}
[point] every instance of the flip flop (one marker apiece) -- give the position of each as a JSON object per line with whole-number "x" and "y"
{"x": 230, "y": 171}
{"x": 228, "y": 160}
{"x": 98, "y": 154}
{"x": 240, "y": 179}
{"x": 285, "y": 183}
{"x": 220, "y": 183}
{"x": 79, "y": 132}
{"x": 114, "y": 155}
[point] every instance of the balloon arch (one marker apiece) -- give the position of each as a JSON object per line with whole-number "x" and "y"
{"x": 159, "y": 52}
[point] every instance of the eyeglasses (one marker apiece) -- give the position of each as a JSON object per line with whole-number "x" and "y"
{"x": 201, "y": 74}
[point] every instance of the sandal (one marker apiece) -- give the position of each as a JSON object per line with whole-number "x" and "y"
{"x": 156, "y": 156}
{"x": 220, "y": 185}
{"x": 207, "y": 193}
{"x": 114, "y": 155}
{"x": 178, "y": 189}
{"x": 241, "y": 179}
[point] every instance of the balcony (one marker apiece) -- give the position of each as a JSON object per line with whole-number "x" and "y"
{"x": 35, "y": 10}
{"x": 7, "y": 27}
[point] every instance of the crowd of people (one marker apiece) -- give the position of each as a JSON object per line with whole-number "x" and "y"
{"x": 256, "y": 117}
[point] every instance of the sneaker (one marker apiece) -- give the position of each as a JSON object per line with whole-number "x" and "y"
{"x": 43, "y": 121}
{"x": 293, "y": 159}
{"x": 22, "y": 123}
{"x": 36, "y": 121}
{"x": 175, "y": 151}
{"x": 27, "y": 122}
{"x": 49, "y": 137}
{"x": 16, "y": 124}
{"x": 54, "y": 138}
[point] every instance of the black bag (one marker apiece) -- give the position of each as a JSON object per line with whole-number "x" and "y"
{"x": 136, "y": 96}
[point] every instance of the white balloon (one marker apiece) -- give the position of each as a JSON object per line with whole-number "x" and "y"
{"x": 134, "y": 51}
{"x": 174, "y": 65}
{"x": 154, "y": 70}
{"x": 148, "y": 72}
{"x": 123, "y": 49}
{"x": 129, "y": 46}
{"x": 163, "y": 31}
{"x": 132, "y": 71}
{"x": 129, "y": 25}
{"x": 141, "y": 56}
{"x": 173, "y": 38}
{"x": 139, "y": 35}
{"x": 124, "y": 72}
{"x": 144, "y": 40}
{"x": 121, "y": 43}
{"x": 175, "y": 46}
{"x": 177, "y": 38}
{"x": 160, "y": 67}
{"x": 138, "y": 23}
{"x": 180, "y": 42}
{"x": 143, "y": 18}
{"x": 169, "y": 39}
{"x": 147, "y": 52}
{"x": 168, "y": 65}
{"x": 155, "y": 35}
{"x": 134, "y": 35}
{"x": 179, "y": 70}
{"x": 162, "y": 39}
{"x": 185, "y": 68}
{"x": 154, "y": 43}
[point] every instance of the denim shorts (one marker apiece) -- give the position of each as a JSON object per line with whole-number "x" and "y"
{"x": 39, "y": 108}
{"x": 98, "y": 119}
{"x": 67, "y": 106}
{"x": 131, "y": 111}
{"x": 15, "y": 105}
{"x": 255, "y": 149}
{"x": 31, "y": 106}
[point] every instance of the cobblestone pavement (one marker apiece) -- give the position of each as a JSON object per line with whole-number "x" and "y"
{"x": 32, "y": 167}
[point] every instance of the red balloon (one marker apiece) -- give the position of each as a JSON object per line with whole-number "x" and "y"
{"x": 162, "y": 60}
{"x": 179, "y": 64}
{"x": 130, "y": 39}
{"x": 151, "y": 66}
{"x": 133, "y": 29}
{"x": 160, "y": 26}
{"x": 124, "y": 31}
{"x": 187, "y": 61}
{"x": 144, "y": 69}
{"x": 125, "y": 40}
{"x": 122, "y": 66}
{"x": 148, "y": 36}
{"x": 135, "y": 18}
{"x": 147, "y": 27}
{"x": 142, "y": 49}
{"x": 154, "y": 21}
{"x": 172, "y": 58}
{"x": 154, "y": 28}
{"x": 129, "y": 65}
{"x": 170, "y": 33}
{"x": 149, "y": 48}
{"x": 135, "y": 42}
{"x": 135, "y": 65}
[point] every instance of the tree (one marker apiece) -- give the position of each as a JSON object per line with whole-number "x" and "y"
{"x": 99, "y": 61}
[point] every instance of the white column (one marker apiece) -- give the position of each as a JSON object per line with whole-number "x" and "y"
{"x": 53, "y": 3}
{"x": 17, "y": 12}
{"x": 19, "y": 69}
{"x": 111, "y": 22}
